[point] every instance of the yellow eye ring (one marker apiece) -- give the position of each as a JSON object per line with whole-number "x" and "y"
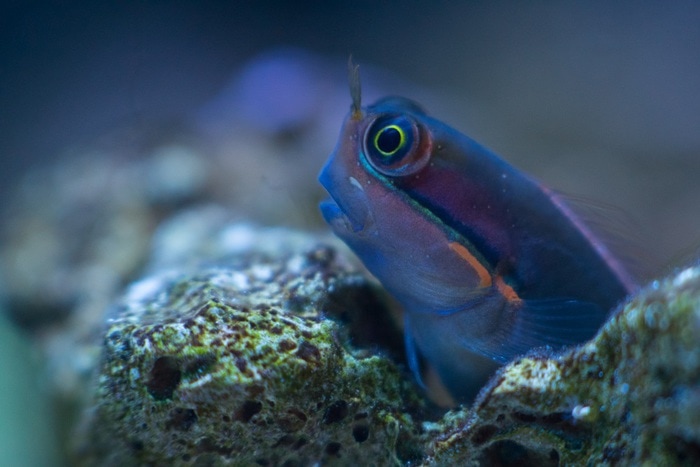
{"x": 396, "y": 145}
{"x": 389, "y": 140}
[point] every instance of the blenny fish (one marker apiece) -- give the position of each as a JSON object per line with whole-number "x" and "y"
{"x": 486, "y": 262}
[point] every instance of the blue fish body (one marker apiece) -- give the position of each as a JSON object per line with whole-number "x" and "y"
{"x": 486, "y": 262}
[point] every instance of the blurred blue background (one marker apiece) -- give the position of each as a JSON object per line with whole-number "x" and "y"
{"x": 599, "y": 99}
{"x": 596, "y": 98}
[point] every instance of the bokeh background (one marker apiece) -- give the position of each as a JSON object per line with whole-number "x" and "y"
{"x": 598, "y": 99}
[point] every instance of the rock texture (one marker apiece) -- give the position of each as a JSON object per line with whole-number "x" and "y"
{"x": 631, "y": 396}
{"x": 266, "y": 346}
{"x": 243, "y": 361}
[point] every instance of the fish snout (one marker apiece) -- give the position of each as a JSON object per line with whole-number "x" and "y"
{"x": 347, "y": 209}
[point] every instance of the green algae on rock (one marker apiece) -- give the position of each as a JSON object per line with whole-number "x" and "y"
{"x": 234, "y": 363}
{"x": 256, "y": 346}
{"x": 629, "y": 396}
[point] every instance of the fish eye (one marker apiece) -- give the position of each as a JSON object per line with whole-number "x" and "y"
{"x": 393, "y": 145}
{"x": 389, "y": 140}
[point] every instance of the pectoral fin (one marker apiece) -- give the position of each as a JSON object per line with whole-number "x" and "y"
{"x": 549, "y": 324}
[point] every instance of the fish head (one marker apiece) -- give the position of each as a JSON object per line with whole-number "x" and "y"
{"x": 374, "y": 148}
{"x": 381, "y": 149}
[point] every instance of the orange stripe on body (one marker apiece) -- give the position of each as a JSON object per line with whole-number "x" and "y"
{"x": 481, "y": 271}
{"x": 506, "y": 290}
{"x": 485, "y": 278}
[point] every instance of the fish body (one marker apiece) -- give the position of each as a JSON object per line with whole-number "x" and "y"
{"x": 486, "y": 262}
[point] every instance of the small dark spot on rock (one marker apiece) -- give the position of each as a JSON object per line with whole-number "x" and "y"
{"x": 122, "y": 349}
{"x": 226, "y": 418}
{"x": 289, "y": 422}
{"x": 263, "y": 462}
{"x": 524, "y": 417}
{"x": 299, "y": 444}
{"x": 186, "y": 457}
{"x": 333, "y": 449}
{"x": 164, "y": 378}
{"x": 613, "y": 454}
{"x": 360, "y": 432}
{"x": 685, "y": 452}
{"x": 199, "y": 365}
{"x": 335, "y": 412}
{"x": 286, "y": 440}
{"x": 137, "y": 445}
{"x": 555, "y": 418}
{"x": 207, "y": 445}
{"x": 361, "y": 415}
{"x": 299, "y": 414}
{"x": 255, "y": 390}
{"x": 308, "y": 352}
{"x": 510, "y": 453}
{"x": 484, "y": 434}
{"x": 241, "y": 364}
{"x": 181, "y": 419}
{"x": 248, "y": 410}
{"x": 276, "y": 330}
{"x": 595, "y": 372}
{"x": 505, "y": 452}
{"x": 286, "y": 345}
{"x": 554, "y": 456}
{"x": 114, "y": 335}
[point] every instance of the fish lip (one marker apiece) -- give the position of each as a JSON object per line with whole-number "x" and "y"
{"x": 353, "y": 216}
{"x": 334, "y": 214}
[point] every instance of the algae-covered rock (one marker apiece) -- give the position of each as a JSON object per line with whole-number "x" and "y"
{"x": 251, "y": 346}
{"x": 235, "y": 360}
{"x": 630, "y": 396}
{"x": 267, "y": 346}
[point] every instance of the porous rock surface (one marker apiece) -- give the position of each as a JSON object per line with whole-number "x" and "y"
{"x": 252, "y": 346}
{"x": 631, "y": 396}
{"x": 239, "y": 358}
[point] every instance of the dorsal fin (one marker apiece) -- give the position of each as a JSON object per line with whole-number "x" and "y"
{"x": 614, "y": 234}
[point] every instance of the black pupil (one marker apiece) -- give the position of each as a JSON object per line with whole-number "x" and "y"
{"x": 389, "y": 140}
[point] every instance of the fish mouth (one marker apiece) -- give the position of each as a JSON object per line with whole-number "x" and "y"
{"x": 341, "y": 219}
{"x": 351, "y": 213}
{"x": 336, "y": 217}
